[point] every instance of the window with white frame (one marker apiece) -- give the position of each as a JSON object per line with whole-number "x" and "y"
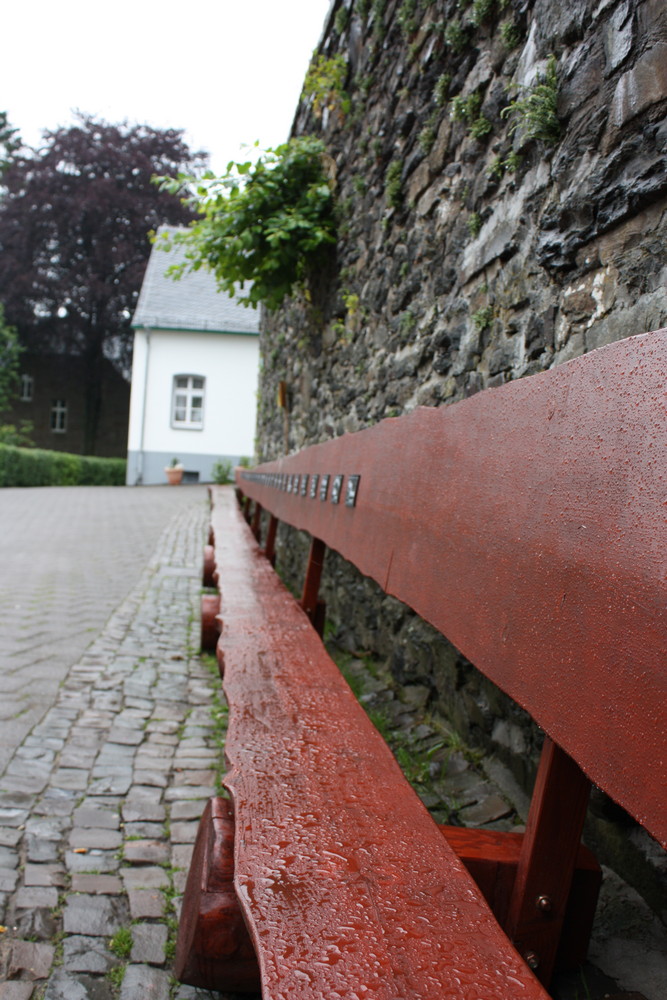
{"x": 187, "y": 407}
{"x": 27, "y": 388}
{"x": 59, "y": 416}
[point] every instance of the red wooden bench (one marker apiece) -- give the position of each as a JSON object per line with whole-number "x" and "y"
{"x": 529, "y": 525}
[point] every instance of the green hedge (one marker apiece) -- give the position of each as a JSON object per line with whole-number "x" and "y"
{"x": 34, "y": 467}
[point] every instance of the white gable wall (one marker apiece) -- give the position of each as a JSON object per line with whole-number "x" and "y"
{"x": 229, "y": 364}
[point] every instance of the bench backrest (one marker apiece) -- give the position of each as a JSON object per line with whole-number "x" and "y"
{"x": 528, "y": 524}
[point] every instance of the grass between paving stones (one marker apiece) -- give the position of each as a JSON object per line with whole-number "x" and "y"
{"x": 220, "y": 719}
{"x": 120, "y": 944}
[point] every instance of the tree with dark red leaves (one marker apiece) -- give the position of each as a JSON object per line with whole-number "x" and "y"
{"x": 75, "y": 218}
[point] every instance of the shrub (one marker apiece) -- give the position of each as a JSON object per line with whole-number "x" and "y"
{"x": 36, "y": 467}
{"x": 269, "y": 223}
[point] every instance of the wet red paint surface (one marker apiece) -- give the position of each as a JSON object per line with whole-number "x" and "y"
{"x": 347, "y": 885}
{"x": 529, "y": 525}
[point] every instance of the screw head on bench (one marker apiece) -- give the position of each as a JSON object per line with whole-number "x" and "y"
{"x": 544, "y": 904}
{"x": 532, "y": 959}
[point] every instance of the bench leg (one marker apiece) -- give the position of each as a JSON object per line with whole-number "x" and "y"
{"x": 309, "y": 602}
{"x": 256, "y": 526}
{"x": 210, "y": 621}
{"x": 208, "y": 577}
{"x": 492, "y": 858}
{"x": 214, "y": 950}
{"x": 548, "y": 855}
{"x": 270, "y": 545}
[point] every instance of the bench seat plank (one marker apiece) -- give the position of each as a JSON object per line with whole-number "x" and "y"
{"x": 527, "y": 524}
{"x": 348, "y": 888}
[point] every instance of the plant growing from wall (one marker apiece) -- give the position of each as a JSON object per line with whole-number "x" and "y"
{"x": 392, "y": 184}
{"x": 325, "y": 84}
{"x": 535, "y": 112}
{"x": 270, "y": 223}
{"x": 467, "y": 109}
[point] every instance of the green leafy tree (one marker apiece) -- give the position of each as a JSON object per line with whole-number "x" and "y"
{"x": 10, "y": 353}
{"x": 75, "y": 218}
{"x": 268, "y": 223}
{"x": 9, "y": 142}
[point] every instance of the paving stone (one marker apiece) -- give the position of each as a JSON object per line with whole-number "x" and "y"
{"x": 13, "y": 817}
{"x": 157, "y": 778}
{"x": 97, "y": 916}
{"x": 8, "y": 879}
{"x": 144, "y": 878}
{"x": 90, "y": 838}
{"x": 92, "y": 861}
{"x": 146, "y": 982}
{"x": 83, "y": 953}
{"x": 184, "y": 833}
{"x": 126, "y": 736}
{"x": 152, "y": 852}
{"x": 36, "y": 923}
{"x": 30, "y": 960}
{"x": 30, "y": 897}
{"x": 111, "y": 785}
{"x": 107, "y": 885}
{"x": 10, "y": 836}
{"x": 146, "y": 903}
{"x": 70, "y": 777}
{"x": 148, "y": 943}
{"x": 15, "y": 990}
{"x": 187, "y": 809}
{"x": 24, "y": 785}
{"x": 65, "y": 986}
{"x": 56, "y": 802}
{"x": 102, "y": 818}
{"x": 189, "y": 792}
{"x": 144, "y": 831}
{"x": 181, "y": 855}
{"x": 44, "y": 874}
{"x": 144, "y": 811}
{"x": 8, "y": 857}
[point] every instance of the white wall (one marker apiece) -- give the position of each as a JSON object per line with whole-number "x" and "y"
{"x": 228, "y": 362}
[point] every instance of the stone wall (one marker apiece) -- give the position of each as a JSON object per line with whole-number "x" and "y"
{"x": 470, "y": 252}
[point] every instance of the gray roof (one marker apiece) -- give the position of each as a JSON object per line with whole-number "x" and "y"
{"x": 191, "y": 302}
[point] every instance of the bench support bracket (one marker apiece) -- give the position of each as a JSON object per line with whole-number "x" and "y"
{"x": 547, "y": 860}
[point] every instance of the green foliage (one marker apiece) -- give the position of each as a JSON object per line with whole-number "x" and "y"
{"x": 407, "y": 16}
{"x": 457, "y": 36}
{"x": 474, "y": 224}
{"x": 482, "y": 11}
{"x": 341, "y": 20}
{"x": 9, "y": 142}
{"x": 536, "y": 111}
{"x": 441, "y": 89}
{"x": 510, "y": 34}
{"x": 467, "y": 109}
{"x": 325, "y": 82}
{"x": 10, "y": 353}
{"x": 19, "y": 436}
{"x": 35, "y": 467}
{"x": 392, "y": 184}
{"x": 121, "y": 943}
{"x": 482, "y": 318}
{"x": 428, "y": 134}
{"x": 269, "y": 223}
{"x": 222, "y": 472}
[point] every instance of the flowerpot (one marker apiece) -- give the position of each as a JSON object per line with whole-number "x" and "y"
{"x": 174, "y": 474}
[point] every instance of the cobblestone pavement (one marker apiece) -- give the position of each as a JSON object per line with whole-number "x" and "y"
{"x": 68, "y": 557}
{"x": 100, "y": 798}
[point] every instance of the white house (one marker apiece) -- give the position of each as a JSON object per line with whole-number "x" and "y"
{"x": 194, "y": 375}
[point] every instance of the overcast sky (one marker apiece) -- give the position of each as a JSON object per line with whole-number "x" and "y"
{"x": 229, "y": 72}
